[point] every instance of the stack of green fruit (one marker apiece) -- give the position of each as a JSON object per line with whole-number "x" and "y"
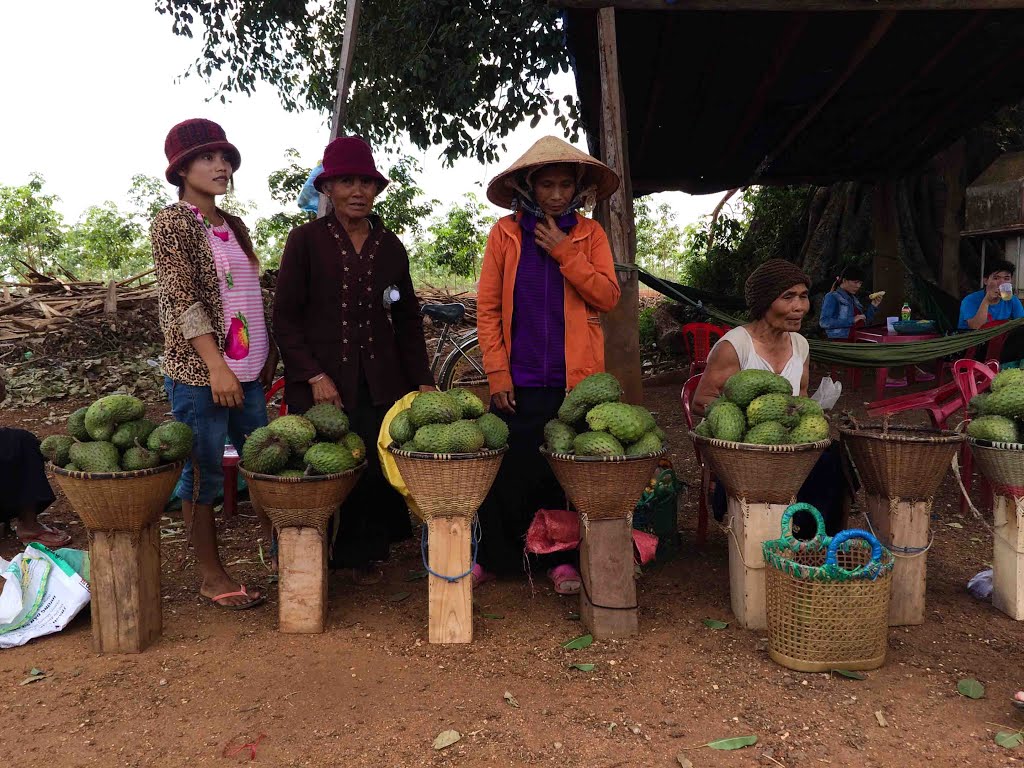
{"x": 592, "y": 422}
{"x": 448, "y": 422}
{"x": 998, "y": 415}
{"x": 316, "y": 443}
{"x": 114, "y": 435}
{"x": 758, "y": 407}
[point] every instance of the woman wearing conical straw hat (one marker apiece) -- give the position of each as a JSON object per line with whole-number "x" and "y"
{"x": 547, "y": 276}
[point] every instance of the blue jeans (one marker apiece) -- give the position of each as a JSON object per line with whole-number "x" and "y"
{"x": 211, "y": 425}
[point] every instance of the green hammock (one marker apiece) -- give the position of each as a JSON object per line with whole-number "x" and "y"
{"x": 843, "y": 353}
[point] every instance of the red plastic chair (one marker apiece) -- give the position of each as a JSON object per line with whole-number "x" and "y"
{"x": 853, "y": 373}
{"x": 940, "y": 403}
{"x": 686, "y": 397}
{"x": 697, "y": 338}
{"x": 230, "y": 461}
{"x": 972, "y": 378}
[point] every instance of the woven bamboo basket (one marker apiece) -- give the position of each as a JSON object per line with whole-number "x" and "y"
{"x": 448, "y": 484}
{"x": 301, "y": 502}
{"x": 766, "y": 474}
{"x": 823, "y": 617}
{"x": 901, "y": 462}
{"x": 603, "y": 487}
{"x": 118, "y": 501}
{"x": 1002, "y": 464}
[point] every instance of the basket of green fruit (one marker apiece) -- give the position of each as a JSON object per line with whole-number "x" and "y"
{"x": 759, "y": 439}
{"x": 117, "y": 467}
{"x": 448, "y": 451}
{"x": 995, "y": 432}
{"x": 300, "y": 468}
{"x": 602, "y": 451}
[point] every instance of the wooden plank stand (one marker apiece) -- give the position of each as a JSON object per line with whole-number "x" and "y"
{"x": 903, "y": 524}
{"x": 1008, "y": 556}
{"x": 608, "y": 607}
{"x": 751, "y": 524}
{"x": 302, "y": 593}
{"x": 450, "y": 603}
{"x": 125, "y": 586}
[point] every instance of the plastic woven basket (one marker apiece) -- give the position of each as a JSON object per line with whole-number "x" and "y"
{"x": 1002, "y": 464}
{"x": 118, "y": 501}
{"x": 901, "y": 462}
{"x": 603, "y": 487}
{"x": 448, "y": 484}
{"x": 827, "y": 598}
{"x": 766, "y": 474}
{"x": 297, "y": 502}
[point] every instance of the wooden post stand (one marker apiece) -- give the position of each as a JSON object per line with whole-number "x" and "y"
{"x": 751, "y": 525}
{"x": 302, "y": 594}
{"x": 450, "y": 603}
{"x": 125, "y": 587}
{"x": 1008, "y": 556}
{"x": 608, "y": 607}
{"x": 903, "y": 524}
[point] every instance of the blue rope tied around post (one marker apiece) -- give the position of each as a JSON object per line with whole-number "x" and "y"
{"x": 475, "y": 543}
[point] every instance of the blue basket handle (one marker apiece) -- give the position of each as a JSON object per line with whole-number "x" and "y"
{"x": 787, "y": 524}
{"x": 853, "y": 533}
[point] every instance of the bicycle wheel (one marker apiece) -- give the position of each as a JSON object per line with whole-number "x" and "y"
{"x": 464, "y": 367}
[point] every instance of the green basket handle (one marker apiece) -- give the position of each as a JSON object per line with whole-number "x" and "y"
{"x": 787, "y": 525}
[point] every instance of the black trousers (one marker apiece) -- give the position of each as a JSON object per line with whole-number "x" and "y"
{"x": 22, "y": 474}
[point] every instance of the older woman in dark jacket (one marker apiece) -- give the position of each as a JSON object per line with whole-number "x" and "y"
{"x": 349, "y": 329}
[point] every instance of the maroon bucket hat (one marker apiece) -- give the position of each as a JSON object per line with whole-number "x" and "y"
{"x": 348, "y": 156}
{"x": 187, "y": 139}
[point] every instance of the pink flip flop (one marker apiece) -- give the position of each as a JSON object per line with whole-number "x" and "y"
{"x": 480, "y": 576}
{"x": 51, "y": 538}
{"x": 566, "y": 579}
{"x": 240, "y": 592}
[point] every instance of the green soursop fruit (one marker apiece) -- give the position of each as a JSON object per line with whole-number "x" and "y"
{"x": 647, "y": 421}
{"x": 137, "y": 457}
{"x": 558, "y": 436}
{"x": 997, "y": 428}
{"x": 297, "y": 431}
{"x": 172, "y": 440}
{"x": 72, "y": 467}
{"x": 743, "y": 387}
{"x": 329, "y": 458}
{"x": 597, "y": 388}
{"x": 495, "y": 431}
{"x": 291, "y": 473}
{"x": 767, "y": 433}
{"x": 619, "y": 419}
{"x": 811, "y": 429}
{"x": 131, "y": 432}
{"x": 727, "y": 422}
{"x": 770, "y": 407}
{"x": 266, "y": 453}
{"x": 433, "y": 408}
{"x": 703, "y": 429}
{"x": 329, "y": 421}
{"x": 433, "y": 438}
{"x": 597, "y": 444}
{"x": 355, "y": 445}
{"x": 573, "y": 409}
{"x": 804, "y": 406}
{"x": 56, "y": 449}
{"x": 649, "y": 443}
{"x": 103, "y": 416}
{"x": 1011, "y": 377}
{"x": 1008, "y": 402}
{"x": 976, "y": 405}
{"x": 76, "y": 425}
{"x": 660, "y": 433}
{"x": 471, "y": 405}
{"x": 466, "y": 436}
{"x": 99, "y": 456}
{"x": 401, "y": 428}
{"x": 409, "y": 446}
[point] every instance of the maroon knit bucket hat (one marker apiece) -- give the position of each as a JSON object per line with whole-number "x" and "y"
{"x": 348, "y": 156}
{"x": 189, "y": 138}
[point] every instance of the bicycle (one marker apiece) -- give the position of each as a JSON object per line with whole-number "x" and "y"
{"x": 463, "y": 366}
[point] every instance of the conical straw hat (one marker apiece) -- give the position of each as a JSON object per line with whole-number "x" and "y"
{"x": 546, "y": 151}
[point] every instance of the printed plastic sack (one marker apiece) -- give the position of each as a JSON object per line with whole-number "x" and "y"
{"x": 657, "y": 510}
{"x": 387, "y": 461}
{"x": 41, "y": 593}
{"x": 827, "y": 394}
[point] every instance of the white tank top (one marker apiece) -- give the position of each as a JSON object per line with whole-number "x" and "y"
{"x": 743, "y": 343}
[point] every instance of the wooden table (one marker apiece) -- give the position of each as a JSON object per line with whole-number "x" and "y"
{"x": 882, "y": 335}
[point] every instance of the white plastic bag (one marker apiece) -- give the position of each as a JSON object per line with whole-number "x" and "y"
{"x": 827, "y": 394}
{"x": 40, "y": 594}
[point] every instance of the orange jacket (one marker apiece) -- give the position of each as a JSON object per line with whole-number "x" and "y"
{"x": 590, "y": 288}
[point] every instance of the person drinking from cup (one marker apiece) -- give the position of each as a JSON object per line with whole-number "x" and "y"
{"x": 995, "y": 302}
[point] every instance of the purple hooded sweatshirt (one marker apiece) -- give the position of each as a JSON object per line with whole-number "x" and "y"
{"x": 537, "y": 357}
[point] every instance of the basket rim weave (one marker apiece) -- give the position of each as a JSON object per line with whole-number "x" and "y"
{"x": 875, "y": 432}
{"x": 484, "y": 454}
{"x": 995, "y": 444}
{"x": 601, "y": 459}
{"x": 304, "y": 479}
{"x": 125, "y": 475}
{"x": 784, "y": 448}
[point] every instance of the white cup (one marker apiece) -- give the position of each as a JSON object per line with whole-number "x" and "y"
{"x": 1006, "y": 291}
{"x": 889, "y": 321}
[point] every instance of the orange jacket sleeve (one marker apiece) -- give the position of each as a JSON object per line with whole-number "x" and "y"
{"x": 489, "y": 300}
{"x": 594, "y": 277}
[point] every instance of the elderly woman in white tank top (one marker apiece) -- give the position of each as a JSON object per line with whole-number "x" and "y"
{"x": 777, "y": 295}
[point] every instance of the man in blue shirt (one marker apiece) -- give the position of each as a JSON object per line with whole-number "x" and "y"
{"x": 985, "y": 306}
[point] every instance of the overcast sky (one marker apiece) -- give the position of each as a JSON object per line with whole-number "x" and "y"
{"x": 91, "y": 89}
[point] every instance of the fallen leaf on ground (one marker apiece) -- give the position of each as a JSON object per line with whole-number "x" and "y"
{"x": 683, "y": 761}
{"x": 881, "y": 719}
{"x": 492, "y": 615}
{"x": 35, "y": 675}
{"x": 416, "y": 575}
{"x": 850, "y": 674}
{"x": 446, "y": 739}
{"x": 970, "y": 688}
{"x": 1009, "y": 739}
{"x": 578, "y": 643}
{"x": 736, "y": 742}
{"x": 511, "y": 700}
{"x": 715, "y": 624}
{"x": 398, "y": 597}
{"x": 583, "y": 667}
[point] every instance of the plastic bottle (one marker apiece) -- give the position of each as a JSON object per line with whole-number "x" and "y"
{"x": 905, "y": 312}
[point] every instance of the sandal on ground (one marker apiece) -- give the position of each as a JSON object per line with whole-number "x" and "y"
{"x": 895, "y": 383}
{"x": 480, "y": 576}
{"x": 566, "y": 579}
{"x": 923, "y": 375}
{"x": 367, "y": 575}
{"x": 51, "y": 538}
{"x": 1018, "y": 700}
{"x": 240, "y": 592}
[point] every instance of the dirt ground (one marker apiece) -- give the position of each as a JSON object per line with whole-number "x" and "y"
{"x": 371, "y": 691}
